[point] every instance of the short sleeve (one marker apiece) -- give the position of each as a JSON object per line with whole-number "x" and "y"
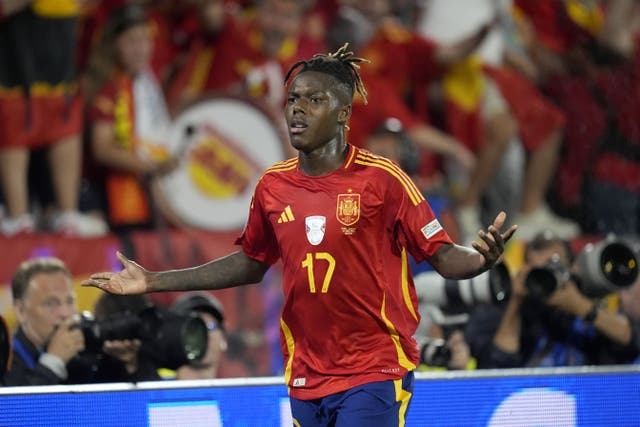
{"x": 417, "y": 227}
{"x": 103, "y": 106}
{"x": 258, "y": 240}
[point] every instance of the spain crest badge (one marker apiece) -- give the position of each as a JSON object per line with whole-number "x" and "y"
{"x": 348, "y": 208}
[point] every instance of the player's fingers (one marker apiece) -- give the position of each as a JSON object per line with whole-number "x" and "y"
{"x": 500, "y": 219}
{"x": 496, "y": 237}
{"x": 104, "y": 275}
{"x": 480, "y": 248}
{"x": 123, "y": 259}
{"x": 509, "y": 233}
{"x": 96, "y": 283}
{"x": 489, "y": 240}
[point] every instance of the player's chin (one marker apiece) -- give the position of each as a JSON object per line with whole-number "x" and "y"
{"x": 298, "y": 142}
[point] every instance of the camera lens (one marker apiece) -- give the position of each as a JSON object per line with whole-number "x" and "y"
{"x": 194, "y": 338}
{"x": 492, "y": 287}
{"x": 619, "y": 265}
{"x": 499, "y": 283}
{"x": 541, "y": 282}
{"x": 435, "y": 352}
{"x": 178, "y": 339}
{"x": 170, "y": 339}
{"x": 607, "y": 266}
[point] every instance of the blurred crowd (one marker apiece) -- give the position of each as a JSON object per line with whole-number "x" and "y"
{"x": 527, "y": 106}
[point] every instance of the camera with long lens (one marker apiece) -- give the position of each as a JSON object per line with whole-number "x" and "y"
{"x": 170, "y": 339}
{"x": 608, "y": 266}
{"x": 435, "y": 352}
{"x": 541, "y": 282}
{"x": 492, "y": 287}
{"x": 603, "y": 268}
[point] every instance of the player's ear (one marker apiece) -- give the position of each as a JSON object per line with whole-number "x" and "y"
{"x": 344, "y": 114}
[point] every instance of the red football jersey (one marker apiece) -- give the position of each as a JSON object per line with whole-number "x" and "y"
{"x": 350, "y": 307}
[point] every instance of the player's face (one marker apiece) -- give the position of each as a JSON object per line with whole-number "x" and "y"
{"x": 314, "y": 113}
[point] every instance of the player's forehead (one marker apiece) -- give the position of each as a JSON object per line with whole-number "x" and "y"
{"x": 313, "y": 81}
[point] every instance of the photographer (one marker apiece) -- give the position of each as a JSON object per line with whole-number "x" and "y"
{"x": 445, "y": 306}
{"x": 128, "y": 340}
{"x": 444, "y": 347}
{"x": 131, "y": 339}
{"x": 46, "y": 341}
{"x": 121, "y": 359}
{"x": 554, "y": 327}
{"x": 209, "y": 309}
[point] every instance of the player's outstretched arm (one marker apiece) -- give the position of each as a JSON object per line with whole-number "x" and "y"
{"x": 232, "y": 270}
{"x": 460, "y": 262}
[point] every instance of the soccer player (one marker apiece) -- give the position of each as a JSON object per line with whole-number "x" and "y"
{"x": 344, "y": 222}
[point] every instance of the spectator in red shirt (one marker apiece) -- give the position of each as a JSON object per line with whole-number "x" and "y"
{"x": 215, "y": 60}
{"x": 40, "y": 107}
{"x": 128, "y": 117}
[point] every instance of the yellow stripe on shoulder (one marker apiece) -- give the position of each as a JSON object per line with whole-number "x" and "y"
{"x": 406, "y": 178}
{"x": 367, "y": 159}
{"x": 283, "y": 166}
{"x": 352, "y": 154}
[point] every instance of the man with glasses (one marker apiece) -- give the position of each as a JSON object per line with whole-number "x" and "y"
{"x": 209, "y": 309}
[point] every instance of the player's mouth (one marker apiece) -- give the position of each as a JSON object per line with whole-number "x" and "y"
{"x": 297, "y": 128}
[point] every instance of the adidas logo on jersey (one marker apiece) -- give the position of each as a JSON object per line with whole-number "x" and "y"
{"x": 286, "y": 215}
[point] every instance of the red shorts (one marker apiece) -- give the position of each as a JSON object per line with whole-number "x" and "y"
{"x": 37, "y": 121}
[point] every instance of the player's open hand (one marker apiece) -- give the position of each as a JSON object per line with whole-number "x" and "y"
{"x": 133, "y": 279}
{"x": 492, "y": 242}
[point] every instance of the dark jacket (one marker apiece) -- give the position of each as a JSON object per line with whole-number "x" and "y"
{"x": 548, "y": 338}
{"x": 83, "y": 369}
{"x": 25, "y": 368}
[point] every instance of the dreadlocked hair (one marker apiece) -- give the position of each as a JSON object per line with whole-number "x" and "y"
{"x": 341, "y": 65}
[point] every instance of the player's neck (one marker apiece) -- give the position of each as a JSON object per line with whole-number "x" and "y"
{"x": 325, "y": 159}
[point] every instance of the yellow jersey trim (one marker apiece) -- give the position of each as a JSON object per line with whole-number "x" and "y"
{"x": 350, "y": 158}
{"x": 283, "y": 166}
{"x": 288, "y": 337}
{"x": 405, "y": 284}
{"x": 378, "y": 162}
{"x": 395, "y": 337}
